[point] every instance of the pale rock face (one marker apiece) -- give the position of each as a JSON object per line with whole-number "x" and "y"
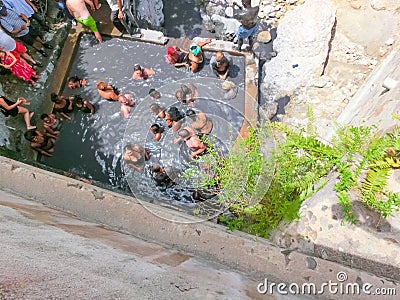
{"x": 302, "y": 46}
{"x": 225, "y": 28}
{"x": 391, "y": 5}
{"x": 152, "y": 12}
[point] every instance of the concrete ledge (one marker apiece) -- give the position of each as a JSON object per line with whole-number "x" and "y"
{"x": 243, "y": 252}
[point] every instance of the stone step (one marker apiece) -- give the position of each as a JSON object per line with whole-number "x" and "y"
{"x": 183, "y": 43}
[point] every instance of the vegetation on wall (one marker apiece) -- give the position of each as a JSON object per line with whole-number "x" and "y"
{"x": 297, "y": 168}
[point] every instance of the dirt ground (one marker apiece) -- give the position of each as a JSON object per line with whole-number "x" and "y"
{"x": 365, "y": 27}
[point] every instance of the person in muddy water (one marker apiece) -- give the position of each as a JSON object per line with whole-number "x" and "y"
{"x": 107, "y": 91}
{"x": 187, "y": 94}
{"x": 78, "y": 9}
{"x": 221, "y": 64}
{"x": 127, "y": 102}
{"x": 154, "y": 94}
{"x": 62, "y": 105}
{"x": 42, "y": 143}
{"x": 51, "y": 124}
{"x": 201, "y": 123}
{"x": 141, "y": 73}
{"x": 135, "y": 157}
{"x": 173, "y": 118}
{"x": 157, "y": 110}
{"x": 193, "y": 142}
{"x": 157, "y": 131}
{"x": 9, "y": 108}
{"x": 248, "y": 17}
{"x": 83, "y": 105}
{"x": 230, "y": 90}
{"x": 160, "y": 175}
{"x": 75, "y": 82}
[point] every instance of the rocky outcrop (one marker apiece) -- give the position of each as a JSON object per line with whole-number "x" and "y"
{"x": 302, "y": 46}
{"x": 151, "y": 11}
{"x": 385, "y": 5}
{"x": 217, "y": 20}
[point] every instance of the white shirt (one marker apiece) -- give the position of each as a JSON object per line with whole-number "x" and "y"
{"x": 19, "y": 6}
{"x": 7, "y": 42}
{"x": 113, "y": 4}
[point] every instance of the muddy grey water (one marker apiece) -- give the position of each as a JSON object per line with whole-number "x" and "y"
{"x": 182, "y": 19}
{"x": 91, "y": 146}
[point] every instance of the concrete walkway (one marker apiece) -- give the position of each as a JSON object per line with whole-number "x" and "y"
{"x": 48, "y": 254}
{"x": 183, "y": 237}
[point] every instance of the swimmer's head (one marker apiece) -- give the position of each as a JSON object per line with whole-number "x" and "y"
{"x": 154, "y": 94}
{"x": 195, "y": 49}
{"x": 191, "y": 113}
{"x": 101, "y": 85}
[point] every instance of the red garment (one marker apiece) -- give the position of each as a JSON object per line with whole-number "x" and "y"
{"x": 174, "y": 55}
{"x": 20, "y": 68}
{"x": 19, "y": 49}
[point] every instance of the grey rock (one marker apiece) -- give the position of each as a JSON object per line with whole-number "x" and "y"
{"x": 303, "y": 38}
{"x": 151, "y": 11}
{"x": 311, "y": 263}
{"x": 225, "y": 28}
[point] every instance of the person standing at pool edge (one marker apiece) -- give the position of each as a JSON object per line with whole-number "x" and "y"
{"x": 247, "y": 16}
{"x": 78, "y": 9}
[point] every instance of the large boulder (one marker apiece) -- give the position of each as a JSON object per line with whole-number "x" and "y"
{"x": 151, "y": 11}
{"x": 225, "y": 28}
{"x": 302, "y": 45}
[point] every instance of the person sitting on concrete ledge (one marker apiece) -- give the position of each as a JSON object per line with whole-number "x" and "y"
{"x": 9, "y": 108}
{"x": 175, "y": 56}
{"x": 107, "y": 92}
{"x": 141, "y": 73}
{"x": 195, "y": 57}
{"x": 76, "y": 82}
{"x": 42, "y": 143}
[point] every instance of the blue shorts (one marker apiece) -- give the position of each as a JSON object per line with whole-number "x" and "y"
{"x": 245, "y": 33}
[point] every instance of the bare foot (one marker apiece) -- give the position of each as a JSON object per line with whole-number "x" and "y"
{"x": 31, "y": 127}
{"x": 31, "y": 115}
{"x": 98, "y": 6}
